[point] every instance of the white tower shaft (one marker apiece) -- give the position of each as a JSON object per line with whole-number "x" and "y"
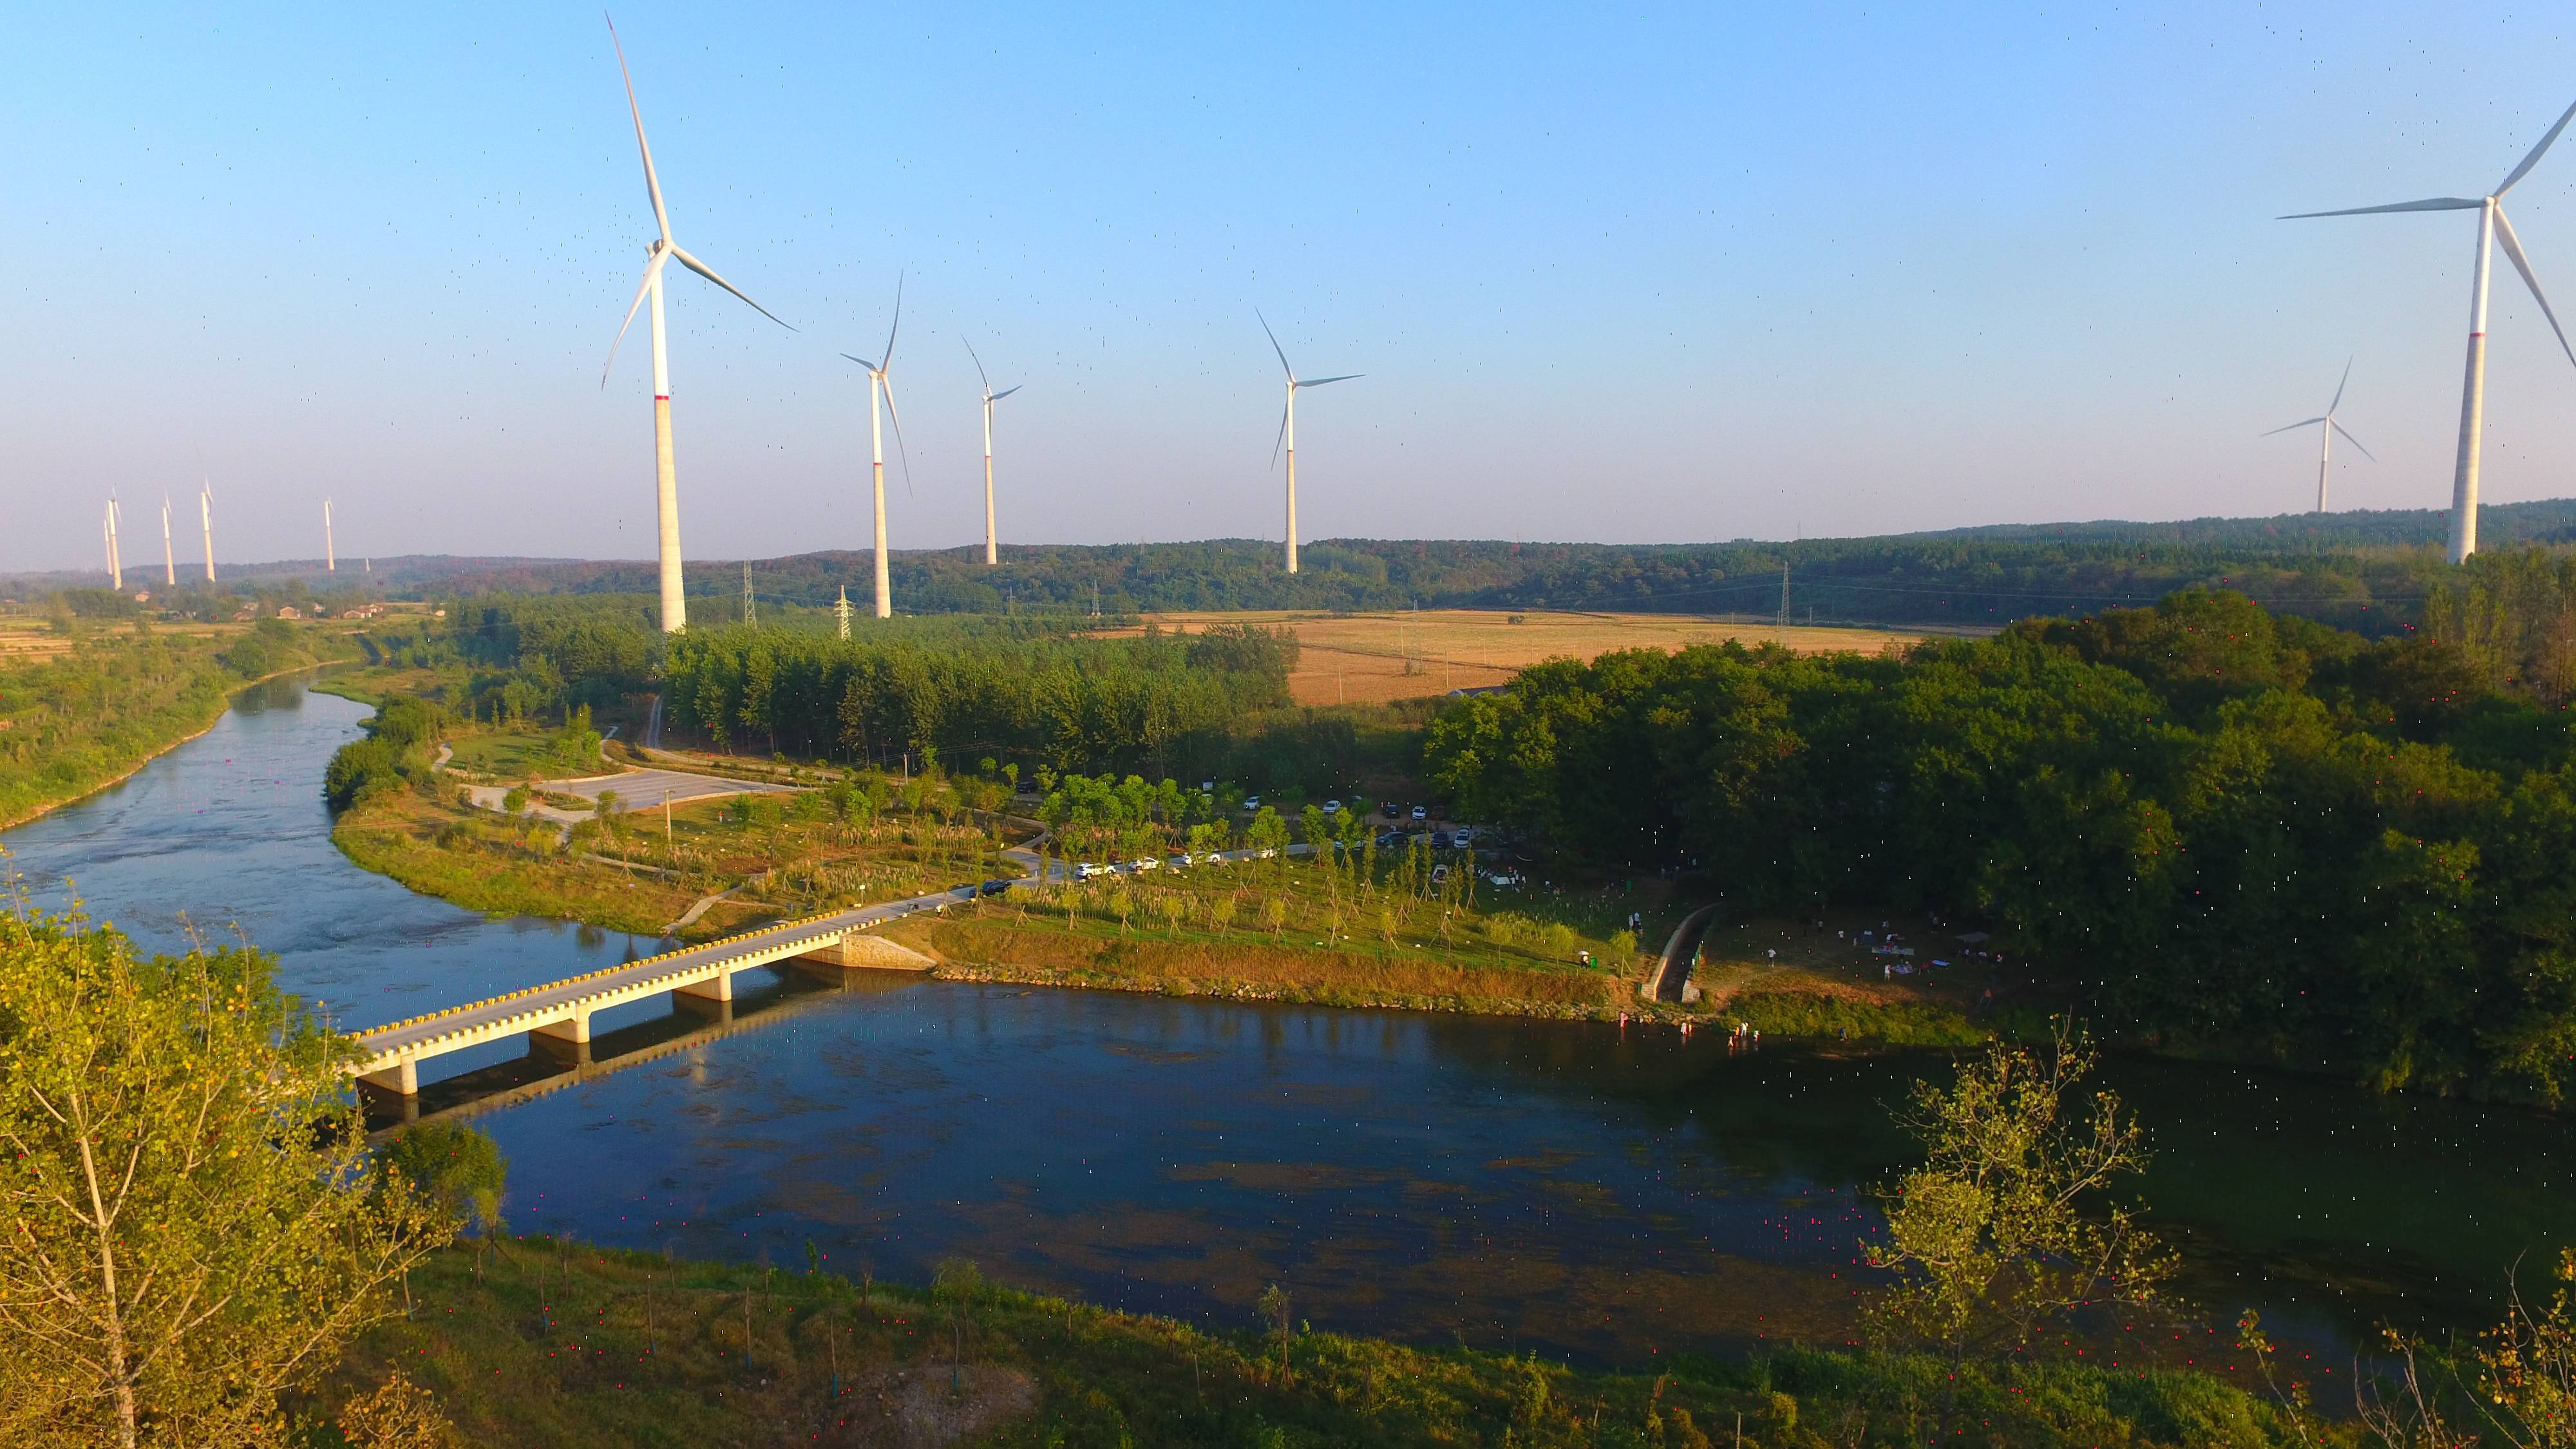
{"x": 2473, "y": 400}
{"x": 876, "y": 478}
{"x": 115, "y": 567}
{"x": 992, "y": 549}
{"x": 1289, "y": 429}
{"x": 169, "y": 560}
{"x": 666, "y": 477}
{"x": 330, "y": 551}
{"x": 2325, "y": 450}
{"x": 206, "y": 519}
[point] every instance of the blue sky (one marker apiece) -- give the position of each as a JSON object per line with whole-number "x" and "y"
{"x": 1648, "y": 274}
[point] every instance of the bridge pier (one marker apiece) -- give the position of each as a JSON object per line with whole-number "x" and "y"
{"x": 397, "y": 1085}
{"x": 711, "y": 998}
{"x": 567, "y": 1041}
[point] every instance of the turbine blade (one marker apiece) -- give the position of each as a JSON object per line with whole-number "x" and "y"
{"x": 2338, "y": 397}
{"x": 2435, "y": 203}
{"x": 891, "y": 411}
{"x": 861, "y": 361}
{"x": 1274, "y": 345}
{"x": 2522, "y": 264}
{"x": 898, "y": 323}
{"x": 2349, "y": 438}
{"x": 699, "y": 267}
{"x": 1006, "y": 392}
{"x": 2534, "y": 158}
{"x": 1283, "y": 437}
{"x": 2308, "y": 423}
{"x": 1320, "y": 381}
{"x": 652, "y": 269}
{"x": 652, "y": 183}
{"x": 979, "y": 370}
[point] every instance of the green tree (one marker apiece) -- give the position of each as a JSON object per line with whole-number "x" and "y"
{"x": 2005, "y": 1229}
{"x": 184, "y": 1191}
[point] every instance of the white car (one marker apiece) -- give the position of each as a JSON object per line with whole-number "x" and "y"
{"x": 1251, "y": 803}
{"x": 1332, "y": 807}
{"x": 1464, "y": 835}
{"x": 1265, "y": 855}
{"x": 1181, "y": 861}
{"x": 1419, "y": 813}
{"x": 1505, "y": 878}
{"x": 1087, "y": 870}
{"x": 1148, "y": 863}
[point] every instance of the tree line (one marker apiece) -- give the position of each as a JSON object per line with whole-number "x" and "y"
{"x": 2236, "y": 826}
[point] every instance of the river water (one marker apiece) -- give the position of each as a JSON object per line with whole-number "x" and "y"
{"x": 1573, "y": 1188}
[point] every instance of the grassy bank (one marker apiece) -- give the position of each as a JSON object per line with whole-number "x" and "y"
{"x": 80, "y": 718}
{"x": 567, "y": 1346}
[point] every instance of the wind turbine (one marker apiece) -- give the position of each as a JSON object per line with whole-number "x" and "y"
{"x": 115, "y": 564}
{"x": 2327, "y": 427}
{"x": 992, "y": 551}
{"x": 881, "y": 382}
{"x": 675, "y": 606}
{"x": 1288, "y": 428}
{"x": 2492, "y": 227}
{"x": 169, "y": 560}
{"x": 330, "y": 556}
{"x": 206, "y": 518}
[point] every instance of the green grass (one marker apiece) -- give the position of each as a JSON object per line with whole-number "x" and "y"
{"x": 1792, "y": 1014}
{"x": 507, "y": 754}
{"x": 569, "y": 1346}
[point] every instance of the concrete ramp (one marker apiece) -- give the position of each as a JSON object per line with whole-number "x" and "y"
{"x": 860, "y": 951}
{"x": 1671, "y": 979}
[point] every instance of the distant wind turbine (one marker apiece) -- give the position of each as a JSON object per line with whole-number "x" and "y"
{"x": 1288, "y": 428}
{"x": 881, "y": 382}
{"x": 330, "y": 555}
{"x": 992, "y": 549}
{"x": 2327, "y": 427}
{"x": 206, "y": 519}
{"x": 2492, "y": 227}
{"x": 675, "y": 606}
{"x": 169, "y": 560}
{"x": 115, "y": 564}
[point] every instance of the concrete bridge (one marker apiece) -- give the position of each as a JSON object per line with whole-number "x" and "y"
{"x": 556, "y": 1017}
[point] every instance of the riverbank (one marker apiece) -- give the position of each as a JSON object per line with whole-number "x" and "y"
{"x": 88, "y": 718}
{"x": 567, "y": 1345}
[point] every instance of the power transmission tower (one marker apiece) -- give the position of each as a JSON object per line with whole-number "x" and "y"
{"x": 841, "y": 611}
{"x": 750, "y": 615}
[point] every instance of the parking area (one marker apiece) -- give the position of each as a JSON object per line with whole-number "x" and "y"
{"x": 636, "y": 790}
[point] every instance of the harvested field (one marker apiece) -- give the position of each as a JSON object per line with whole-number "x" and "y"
{"x": 1372, "y": 658}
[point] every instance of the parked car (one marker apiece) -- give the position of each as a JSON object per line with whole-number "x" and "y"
{"x": 1505, "y": 879}
{"x": 996, "y": 887}
{"x": 1147, "y": 863}
{"x": 1419, "y": 813}
{"x": 1332, "y": 807}
{"x": 1463, "y": 836}
{"x": 1440, "y": 875}
{"x": 1391, "y": 809}
{"x": 1251, "y": 804}
{"x": 1087, "y": 870}
{"x": 1441, "y": 840}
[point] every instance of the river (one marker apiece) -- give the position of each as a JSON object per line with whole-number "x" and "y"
{"x": 1585, "y": 1191}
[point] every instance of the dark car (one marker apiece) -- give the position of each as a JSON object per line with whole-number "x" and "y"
{"x": 1440, "y": 840}
{"x": 996, "y": 887}
{"x": 1390, "y": 809}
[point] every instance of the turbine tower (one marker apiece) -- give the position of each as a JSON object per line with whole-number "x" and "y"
{"x": 2327, "y": 427}
{"x": 881, "y": 382}
{"x": 330, "y": 556}
{"x": 2492, "y": 228}
{"x": 206, "y": 518}
{"x": 115, "y": 565}
{"x": 1288, "y": 428}
{"x": 992, "y": 549}
{"x": 169, "y": 560}
{"x": 675, "y": 608}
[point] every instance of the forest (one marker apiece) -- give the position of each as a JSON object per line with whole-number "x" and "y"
{"x": 2232, "y": 826}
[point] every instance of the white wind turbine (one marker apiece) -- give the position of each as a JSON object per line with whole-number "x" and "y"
{"x": 2492, "y": 227}
{"x": 206, "y": 520}
{"x": 1288, "y": 428}
{"x": 2327, "y": 427}
{"x": 115, "y": 564}
{"x": 881, "y": 383}
{"x": 675, "y": 608}
{"x": 992, "y": 549}
{"x": 330, "y": 555}
{"x": 169, "y": 560}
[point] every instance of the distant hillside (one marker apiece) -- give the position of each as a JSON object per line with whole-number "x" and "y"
{"x": 2365, "y": 570}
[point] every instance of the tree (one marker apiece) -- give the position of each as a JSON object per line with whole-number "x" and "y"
{"x": 2001, "y": 1233}
{"x": 184, "y": 1193}
{"x": 457, "y": 1168}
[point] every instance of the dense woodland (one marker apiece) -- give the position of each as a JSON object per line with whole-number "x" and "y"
{"x": 2235, "y": 825}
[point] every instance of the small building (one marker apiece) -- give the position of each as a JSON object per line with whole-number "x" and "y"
{"x": 287, "y": 611}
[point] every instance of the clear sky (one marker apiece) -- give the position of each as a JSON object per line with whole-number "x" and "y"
{"x": 1686, "y": 273}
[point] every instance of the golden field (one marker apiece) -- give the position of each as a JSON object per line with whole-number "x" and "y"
{"x": 1373, "y": 658}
